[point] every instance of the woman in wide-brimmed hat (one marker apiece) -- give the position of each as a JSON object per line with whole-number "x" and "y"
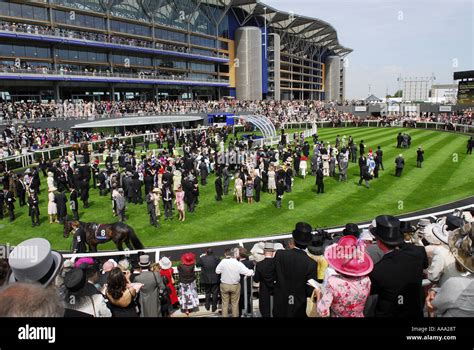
{"x": 347, "y": 291}
{"x": 443, "y": 263}
{"x": 187, "y": 284}
{"x": 454, "y": 298}
{"x": 166, "y": 271}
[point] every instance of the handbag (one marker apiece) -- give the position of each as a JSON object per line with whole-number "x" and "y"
{"x": 312, "y": 305}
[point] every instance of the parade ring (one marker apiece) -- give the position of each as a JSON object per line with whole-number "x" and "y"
{"x": 446, "y": 176}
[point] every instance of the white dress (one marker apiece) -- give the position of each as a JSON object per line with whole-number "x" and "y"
{"x": 50, "y": 181}
{"x": 271, "y": 180}
{"x": 303, "y": 167}
{"x": 52, "y": 207}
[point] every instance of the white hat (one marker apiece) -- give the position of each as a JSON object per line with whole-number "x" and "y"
{"x": 165, "y": 263}
{"x": 366, "y": 235}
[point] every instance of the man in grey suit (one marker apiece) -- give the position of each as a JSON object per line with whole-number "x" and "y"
{"x": 343, "y": 165}
{"x": 153, "y": 287}
{"x": 399, "y": 164}
{"x": 226, "y": 175}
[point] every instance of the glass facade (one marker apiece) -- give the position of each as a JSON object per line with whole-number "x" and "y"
{"x": 81, "y": 55}
{"x": 130, "y": 60}
{"x": 170, "y": 35}
{"x": 11, "y": 9}
{"x": 76, "y": 19}
{"x": 130, "y": 28}
{"x": 15, "y": 50}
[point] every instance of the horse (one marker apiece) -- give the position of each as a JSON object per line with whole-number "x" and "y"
{"x": 92, "y": 234}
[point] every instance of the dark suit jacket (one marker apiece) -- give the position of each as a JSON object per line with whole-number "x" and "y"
{"x": 208, "y": 264}
{"x": 293, "y": 268}
{"x": 265, "y": 275}
{"x": 396, "y": 279}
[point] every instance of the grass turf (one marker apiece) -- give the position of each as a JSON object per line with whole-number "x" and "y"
{"x": 447, "y": 175}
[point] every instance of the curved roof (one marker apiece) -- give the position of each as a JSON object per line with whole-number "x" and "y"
{"x": 138, "y": 120}
{"x": 312, "y": 30}
{"x": 309, "y": 29}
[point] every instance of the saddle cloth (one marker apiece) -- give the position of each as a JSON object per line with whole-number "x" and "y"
{"x": 100, "y": 232}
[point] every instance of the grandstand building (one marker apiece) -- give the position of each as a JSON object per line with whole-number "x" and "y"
{"x": 165, "y": 49}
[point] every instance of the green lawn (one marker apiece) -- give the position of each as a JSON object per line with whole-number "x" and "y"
{"x": 447, "y": 175}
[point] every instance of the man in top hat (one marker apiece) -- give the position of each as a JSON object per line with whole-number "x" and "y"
{"x": 10, "y": 201}
{"x": 219, "y": 189}
{"x": 85, "y": 192}
{"x": 208, "y": 263}
{"x": 73, "y": 205}
{"x": 419, "y": 157}
{"x": 293, "y": 268}
{"x": 153, "y": 286}
{"x": 397, "y": 278}
{"x": 226, "y": 176}
{"x": 265, "y": 276}
{"x": 454, "y": 298}
{"x": 33, "y": 203}
{"x": 150, "y": 202}
{"x": 320, "y": 179}
{"x": 43, "y": 268}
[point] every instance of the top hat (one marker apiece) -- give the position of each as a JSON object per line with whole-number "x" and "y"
{"x": 351, "y": 229}
{"x": 188, "y": 259}
{"x": 387, "y": 229}
{"x": 34, "y": 261}
{"x": 302, "y": 233}
{"x": 75, "y": 280}
{"x": 452, "y": 223}
{"x": 144, "y": 261}
{"x": 406, "y": 226}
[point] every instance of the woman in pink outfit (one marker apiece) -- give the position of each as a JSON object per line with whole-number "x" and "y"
{"x": 180, "y": 203}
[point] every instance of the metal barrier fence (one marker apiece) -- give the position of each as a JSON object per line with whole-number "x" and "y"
{"x": 174, "y": 252}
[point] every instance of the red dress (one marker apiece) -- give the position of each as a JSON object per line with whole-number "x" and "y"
{"x": 168, "y": 274}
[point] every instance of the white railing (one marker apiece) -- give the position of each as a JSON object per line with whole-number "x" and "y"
{"x": 161, "y": 251}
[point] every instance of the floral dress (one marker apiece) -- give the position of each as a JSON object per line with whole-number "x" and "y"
{"x": 344, "y": 296}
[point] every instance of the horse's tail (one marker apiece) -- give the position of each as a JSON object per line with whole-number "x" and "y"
{"x": 137, "y": 244}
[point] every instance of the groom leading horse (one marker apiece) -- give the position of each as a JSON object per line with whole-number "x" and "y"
{"x": 93, "y": 234}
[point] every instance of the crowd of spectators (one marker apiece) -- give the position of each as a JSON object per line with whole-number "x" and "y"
{"x": 353, "y": 273}
{"x": 108, "y": 38}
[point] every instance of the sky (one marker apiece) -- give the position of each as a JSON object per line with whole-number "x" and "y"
{"x": 392, "y": 38}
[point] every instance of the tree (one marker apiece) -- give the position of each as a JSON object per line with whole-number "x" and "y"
{"x": 398, "y": 93}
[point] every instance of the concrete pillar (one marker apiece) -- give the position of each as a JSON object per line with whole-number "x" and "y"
{"x": 248, "y": 49}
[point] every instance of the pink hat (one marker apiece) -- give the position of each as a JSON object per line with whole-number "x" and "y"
{"x": 109, "y": 265}
{"x": 80, "y": 261}
{"x": 348, "y": 257}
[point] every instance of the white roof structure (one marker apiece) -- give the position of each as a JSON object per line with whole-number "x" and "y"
{"x": 138, "y": 120}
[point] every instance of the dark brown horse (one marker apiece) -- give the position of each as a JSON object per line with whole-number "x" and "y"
{"x": 93, "y": 234}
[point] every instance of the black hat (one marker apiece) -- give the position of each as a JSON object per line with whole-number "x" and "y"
{"x": 453, "y": 222}
{"x": 406, "y": 226}
{"x": 317, "y": 245}
{"x": 387, "y": 229}
{"x": 302, "y": 233}
{"x": 75, "y": 280}
{"x": 351, "y": 229}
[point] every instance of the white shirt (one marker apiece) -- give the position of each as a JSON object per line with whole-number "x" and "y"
{"x": 230, "y": 270}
